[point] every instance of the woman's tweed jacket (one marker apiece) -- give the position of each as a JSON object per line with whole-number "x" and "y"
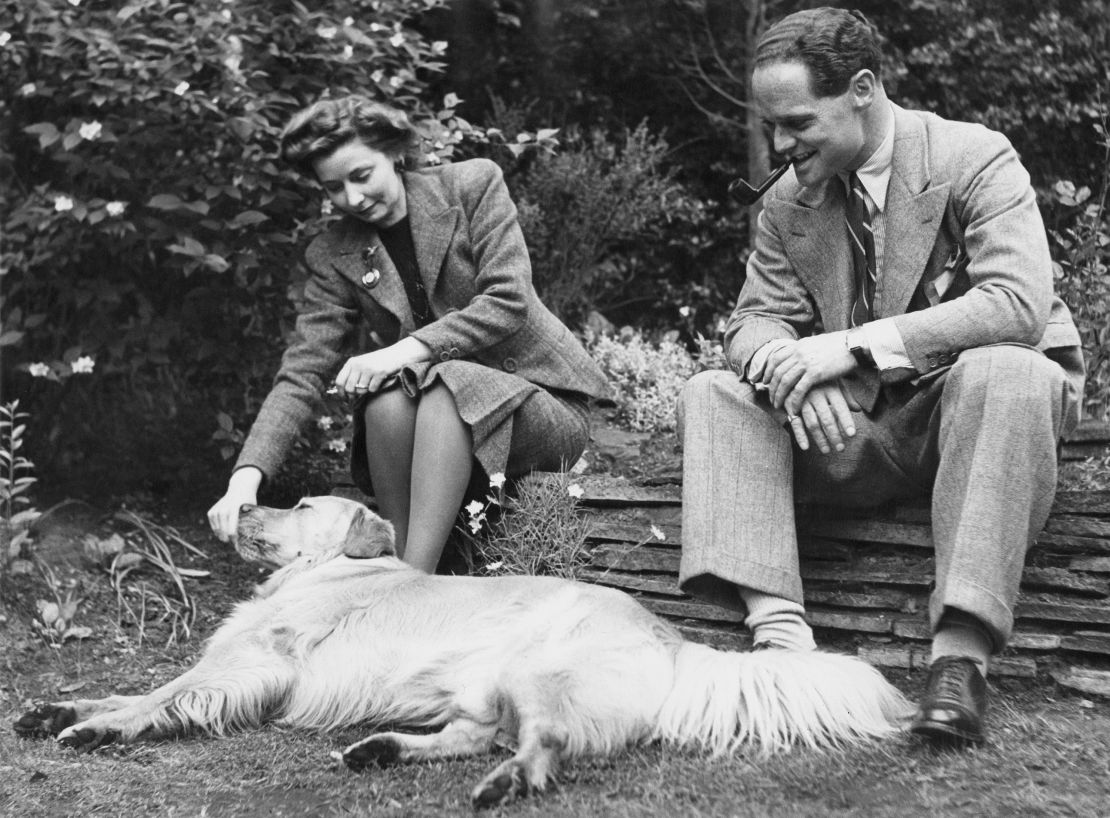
{"x": 475, "y": 268}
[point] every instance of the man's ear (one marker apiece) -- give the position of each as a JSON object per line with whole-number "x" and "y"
{"x": 369, "y": 536}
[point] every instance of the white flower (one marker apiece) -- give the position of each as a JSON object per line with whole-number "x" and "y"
{"x": 397, "y": 40}
{"x": 326, "y": 207}
{"x": 226, "y": 14}
{"x": 337, "y": 444}
{"x": 575, "y": 490}
{"x": 327, "y": 32}
{"x": 348, "y": 51}
{"x": 90, "y": 130}
{"x": 38, "y": 370}
{"x": 439, "y": 46}
{"x": 657, "y": 532}
{"x": 432, "y": 158}
{"x": 116, "y": 208}
{"x": 62, "y": 204}
{"x": 396, "y": 82}
{"x": 474, "y": 508}
{"x": 75, "y": 3}
{"x": 451, "y": 100}
{"x": 181, "y": 88}
{"x": 377, "y": 75}
{"x": 476, "y": 524}
{"x": 324, "y": 422}
{"x": 495, "y": 566}
{"x": 5, "y": 38}
{"x": 376, "y": 27}
{"x": 348, "y": 21}
{"x": 83, "y": 365}
{"x": 27, "y": 90}
{"x": 497, "y": 480}
{"x": 684, "y": 312}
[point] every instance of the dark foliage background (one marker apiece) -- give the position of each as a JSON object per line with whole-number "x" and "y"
{"x": 147, "y": 229}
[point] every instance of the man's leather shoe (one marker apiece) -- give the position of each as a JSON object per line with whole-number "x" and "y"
{"x": 955, "y": 700}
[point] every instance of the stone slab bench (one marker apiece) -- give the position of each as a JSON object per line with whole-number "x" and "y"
{"x": 867, "y": 577}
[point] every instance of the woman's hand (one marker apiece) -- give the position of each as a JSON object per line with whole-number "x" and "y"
{"x": 374, "y": 370}
{"x": 242, "y": 489}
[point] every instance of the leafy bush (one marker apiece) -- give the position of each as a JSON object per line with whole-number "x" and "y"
{"x": 648, "y": 376}
{"x": 17, "y": 514}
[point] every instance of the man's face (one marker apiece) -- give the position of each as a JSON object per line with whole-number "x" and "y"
{"x": 822, "y": 135}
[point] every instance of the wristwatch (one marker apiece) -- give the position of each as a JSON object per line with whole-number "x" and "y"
{"x": 856, "y": 341}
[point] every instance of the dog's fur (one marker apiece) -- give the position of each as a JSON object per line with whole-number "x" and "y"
{"x": 343, "y": 633}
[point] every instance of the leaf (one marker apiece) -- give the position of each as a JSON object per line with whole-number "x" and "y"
{"x": 73, "y": 687}
{"x": 194, "y": 573}
{"x": 165, "y": 201}
{"x": 47, "y": 133}
{"x": 10, "y": 338}
{"x": 76, "y": 632}
{"x": 247, "y": 218}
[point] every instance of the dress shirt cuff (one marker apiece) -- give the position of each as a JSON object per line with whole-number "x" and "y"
{"x": 759, "y": 361}
{"x": 888, "y": 351}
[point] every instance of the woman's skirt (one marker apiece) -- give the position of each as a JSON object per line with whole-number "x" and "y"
{"x": 515, "y": 425}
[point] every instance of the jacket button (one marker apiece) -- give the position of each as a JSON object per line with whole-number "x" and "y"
{"x": 445, "y": 355}
{"x": 509, "y": 365}
{"x": 454, "y": 352}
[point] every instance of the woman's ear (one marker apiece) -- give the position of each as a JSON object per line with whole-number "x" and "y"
{"x": 369, "y": 536}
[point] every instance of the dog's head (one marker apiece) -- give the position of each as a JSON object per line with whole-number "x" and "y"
{"x": 316, "y": 528}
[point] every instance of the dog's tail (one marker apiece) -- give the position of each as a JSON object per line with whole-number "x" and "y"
{"x": 774, "y": 699}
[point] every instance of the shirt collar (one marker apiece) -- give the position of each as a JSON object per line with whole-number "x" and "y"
{"x": 874, "y": 174}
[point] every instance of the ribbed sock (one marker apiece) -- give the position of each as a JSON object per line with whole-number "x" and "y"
{"x": 776, "y": 620}
{"x": 961, "y": 634}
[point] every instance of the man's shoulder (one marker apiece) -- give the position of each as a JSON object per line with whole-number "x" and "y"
{"x": 953, "y": 145}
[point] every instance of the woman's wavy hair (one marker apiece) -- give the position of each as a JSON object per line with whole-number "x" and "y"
{"x": 321, "y": 128}
{"x": 833, "y": 44}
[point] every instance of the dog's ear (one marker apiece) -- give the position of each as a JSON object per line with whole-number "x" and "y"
{"x": 369, "y": 536}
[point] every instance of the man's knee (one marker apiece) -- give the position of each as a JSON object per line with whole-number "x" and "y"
{"x": 1022, "y": 372}
{"x": 705, "y": 391}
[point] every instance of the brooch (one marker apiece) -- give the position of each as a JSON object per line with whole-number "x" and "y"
{"x": 371, "y": 278}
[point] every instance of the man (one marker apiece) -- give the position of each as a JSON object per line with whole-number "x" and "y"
{"x": 896, "y": 335}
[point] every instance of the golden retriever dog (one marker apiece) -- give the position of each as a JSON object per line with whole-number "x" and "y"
{"x": 344, "y": 633}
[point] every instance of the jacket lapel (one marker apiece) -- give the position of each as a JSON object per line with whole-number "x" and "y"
{"x": 913, "y": 215}
{"x": 354, "y": 262}
{"x": 433, "y": 220}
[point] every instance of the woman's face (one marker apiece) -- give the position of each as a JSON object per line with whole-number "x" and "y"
{"x": 363, "y": 182}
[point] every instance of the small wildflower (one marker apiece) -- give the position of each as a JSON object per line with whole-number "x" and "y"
{"x": 432, "y": 158}
{"x": 348, "y": 21}
{"x": 451, "y": 100}
{"x": 476, "y": 524}
{"x": 27, "y": 90}
{"x": 39, "y": 370}
{"x": 327, "y": 32}
{"x": 5, "y": 38}
{"x": 116, "y": 208}
{"x": 474, "y": 508}
{"x": 62, "y": 204}
{"x": 325, "y": 422}
{"x": 439, "y": 46}
{"x": 684, "y": 312}
{"x": 657, "y": 532}
{"x": 225, "y": 13}
{"x": 90, "y": 130}
{"x": 181, "y": 88}
{"x": 396, "y": 82}
{"x": 575, "y": 491}
{"x": 83, "y": 365}
{"x": 497, "y": 480}
{"x": 377, "y": 75}
{"x": 75, "y": 3}
{"x": 348, "y": 51}
{"x": 337, "y": 444}
{"x": 326, "y": 207}
{"x": 397, "y": 40}
{"x": 495, "y": 566}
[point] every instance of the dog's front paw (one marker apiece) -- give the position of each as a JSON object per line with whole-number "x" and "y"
{"x": 45, "y": 720}
{"x": 375, "y": 750}
{"x": 504, "y": 784}
{"x": 86, "y": 739}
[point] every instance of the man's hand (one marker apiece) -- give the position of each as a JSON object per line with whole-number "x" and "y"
{"x": 795, "y": 368}
{"x": 826, "y": 415}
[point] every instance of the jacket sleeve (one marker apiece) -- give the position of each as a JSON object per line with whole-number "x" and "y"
{"x": 323, "y": 331}
{"x": 502, "y": 269}
{"x": 773, "y": 301}
{"x": 1009, "y": 269}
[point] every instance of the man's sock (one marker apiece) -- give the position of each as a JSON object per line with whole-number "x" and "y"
{"x": 777, "y": 621}
{"x": 961, "y": 634}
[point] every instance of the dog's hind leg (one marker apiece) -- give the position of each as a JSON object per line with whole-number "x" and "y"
{"x": 461, "y": 737}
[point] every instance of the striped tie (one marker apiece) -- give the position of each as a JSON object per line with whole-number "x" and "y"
{"x": 862, "y": 241}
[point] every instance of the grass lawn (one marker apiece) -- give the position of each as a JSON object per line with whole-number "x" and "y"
{"x": 1048, "y": 752}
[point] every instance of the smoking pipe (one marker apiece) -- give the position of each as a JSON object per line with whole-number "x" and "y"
{"x": 747, "y": 195}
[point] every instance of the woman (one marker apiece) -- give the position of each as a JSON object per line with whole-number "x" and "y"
{"x": 467, "y": 368}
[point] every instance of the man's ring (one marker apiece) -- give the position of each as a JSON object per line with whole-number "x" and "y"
{"x": 791, "y": 418}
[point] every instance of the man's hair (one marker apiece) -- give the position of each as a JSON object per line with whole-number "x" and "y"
{"x": 320, "y": 129}
{"x": 834, "y": 44}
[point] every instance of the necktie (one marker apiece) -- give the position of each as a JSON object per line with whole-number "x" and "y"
{"x": 862, "y": 241}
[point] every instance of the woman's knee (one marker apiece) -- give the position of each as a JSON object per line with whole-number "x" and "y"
{"x": 388, "y": 407}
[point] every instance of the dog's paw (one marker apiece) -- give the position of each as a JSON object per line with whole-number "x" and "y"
{"x": 377, "y": 751}
{"x": 45, "y": 721}
{"x": 504, "y": 784}
{"x": 87, "y": 739}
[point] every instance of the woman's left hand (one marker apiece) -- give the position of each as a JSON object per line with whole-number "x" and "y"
{"x": 374, "y": 370}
